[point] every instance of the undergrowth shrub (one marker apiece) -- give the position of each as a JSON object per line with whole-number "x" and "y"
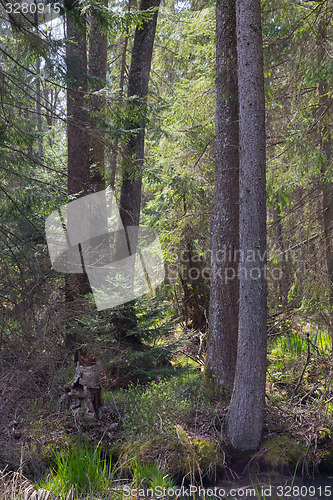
{"x": 154, "y": 409}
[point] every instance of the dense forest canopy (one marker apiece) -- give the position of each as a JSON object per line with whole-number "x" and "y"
{"x": 211, "y": 123}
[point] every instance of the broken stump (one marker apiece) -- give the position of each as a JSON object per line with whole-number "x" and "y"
{"x": 84, "y": 392}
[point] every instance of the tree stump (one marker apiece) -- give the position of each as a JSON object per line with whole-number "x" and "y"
{"x": 84, "y": 392}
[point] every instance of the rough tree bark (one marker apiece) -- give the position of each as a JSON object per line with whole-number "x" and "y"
{"x": 224, "y": 284}
{"x": 77, "y": 114}
{"x": 130, "y": 196}
{"x": 77, "y": 136}
{"x": 245, "y": 416}
{"x": 97, "y": 73}
{"x": 133, "y": 154}
{"x": 121, "y": 88}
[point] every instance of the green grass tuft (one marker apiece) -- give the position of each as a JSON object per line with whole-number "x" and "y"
{"x": 81, "y": 469}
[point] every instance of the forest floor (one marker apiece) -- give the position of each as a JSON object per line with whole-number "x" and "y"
{"x": 170, "y": 431}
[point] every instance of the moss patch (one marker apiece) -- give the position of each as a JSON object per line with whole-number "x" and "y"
{"x": 281, "y": 452}
{"x": 198, "y": 459}
{"x": 325, "y": 455}
{"x": 210, "y": 455}
{"x": 181, "y": 457}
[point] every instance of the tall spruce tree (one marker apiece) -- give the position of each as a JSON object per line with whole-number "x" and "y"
{"x": 77, "y": 122}
{"x": 97, "y": 73}
{"x": 133, "y": 154}
{"x": 224, "y": 284}
{"x": 246, "y": 412}
{"x": 142, "y": 52}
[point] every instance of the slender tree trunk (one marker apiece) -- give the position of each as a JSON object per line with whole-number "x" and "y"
{"x": 142, "y": 52}
{"x": 49, "y": 114}
{"x": 39, "y": 110}
{"x": 245, "y": 416}
{"x": 121, "y": 87}
{"x": 51, "y": 97}
{"x": 284, "y": 282}
{"x": 325, "y": 103}
{"x": 133, "y": 155}
{"x": 29, "y": 147}
{"x": 38, "y": 100}
{"x": 78, "y": 117}
{"x": 224, "y": 287}
{"x": 97, "y": 73}
{"x": 301, "y": 237}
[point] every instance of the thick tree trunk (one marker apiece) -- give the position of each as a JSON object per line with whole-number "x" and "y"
{"x": 97, "y": 73}
{"x": 246, "y": 412}
{"x": 77, "y": 136}
{"x": 77, "y": 115}
{"x": 224, "y": 286}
